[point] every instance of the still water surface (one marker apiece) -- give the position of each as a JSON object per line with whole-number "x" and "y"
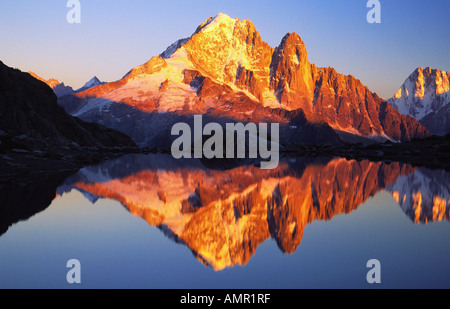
{"x": 149, "y": 221}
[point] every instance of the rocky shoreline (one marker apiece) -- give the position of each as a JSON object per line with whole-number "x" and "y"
{"x": 432, "y": 152}
{"x": 16, "y": 164}
{"x": 18, "y": 161}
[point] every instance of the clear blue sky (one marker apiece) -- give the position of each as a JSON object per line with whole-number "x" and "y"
{"x": 116, "y": 35}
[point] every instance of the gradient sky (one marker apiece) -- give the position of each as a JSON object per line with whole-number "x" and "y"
{"x": 115, "y": 35}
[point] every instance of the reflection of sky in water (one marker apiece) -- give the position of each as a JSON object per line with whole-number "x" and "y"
{"x": 119, "y": 250}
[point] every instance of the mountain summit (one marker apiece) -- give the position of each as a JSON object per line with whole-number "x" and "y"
{"x": 224, "y": 70}
{"x": 425, "y": 95}
{"x": 93, "y": 82}
{"x": 58, "y": 87}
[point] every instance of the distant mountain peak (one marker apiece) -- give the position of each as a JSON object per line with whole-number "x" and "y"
{"x": 58, "y": 88}
{"x": 425, "y": 95}
{"x": 424, "y": 82}
{"x": 51, "y": 82}
{"x": 425, "y": 91}
{"x": 94, "y": 81}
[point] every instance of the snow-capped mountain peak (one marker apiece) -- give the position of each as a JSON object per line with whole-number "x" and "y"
{"x": 173, "y": 48}
{"x": 212, "y": 23}
{"x": 425, "y": 91}
{"x": 93, "y": 82}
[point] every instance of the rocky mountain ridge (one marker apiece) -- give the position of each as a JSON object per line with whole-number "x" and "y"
{"x": 225, "y": 69}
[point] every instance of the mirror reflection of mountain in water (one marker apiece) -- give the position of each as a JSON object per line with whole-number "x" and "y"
{"x": 223, "y": 215}
{"x": 424, "y": 195}
{"x": 27, "y": 196}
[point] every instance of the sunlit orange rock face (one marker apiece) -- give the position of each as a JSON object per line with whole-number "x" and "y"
{"x": 239, "y": 73}
{"x": 52, "y": 83}
{"x": 231, "y": 52}
{"x": 223, "y": 216}
{"x": 346, "y": 104}
{"x": 58, "y": 88}
{"x": 291, "y": 74}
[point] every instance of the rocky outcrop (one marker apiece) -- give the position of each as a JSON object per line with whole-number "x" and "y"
{"x": 423, "y": 92}
{"x": 93, "y": 82}
{"x": 231, "y": 51}
{"x": 290, "y": 75}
